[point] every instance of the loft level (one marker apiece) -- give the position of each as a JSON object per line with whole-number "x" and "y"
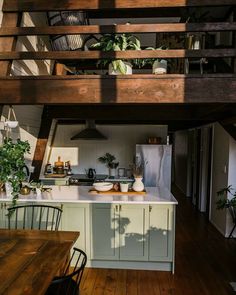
{"x": 90, "y": 89}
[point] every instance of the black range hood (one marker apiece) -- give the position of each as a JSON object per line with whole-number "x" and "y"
{"x": 89, "y": 133}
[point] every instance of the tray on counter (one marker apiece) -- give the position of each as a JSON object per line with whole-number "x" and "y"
{"x": 114, "y": 192}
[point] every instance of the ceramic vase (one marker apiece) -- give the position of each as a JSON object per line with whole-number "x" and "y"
{"x": 138, "y": 185}
{"x": 9, "y": 189}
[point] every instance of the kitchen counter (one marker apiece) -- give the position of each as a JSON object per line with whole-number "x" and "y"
{"x": 80, "y": 194}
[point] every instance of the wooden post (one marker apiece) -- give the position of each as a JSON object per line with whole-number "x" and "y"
{"x": 46, "y": 122}
{"x": 8, "y": 43}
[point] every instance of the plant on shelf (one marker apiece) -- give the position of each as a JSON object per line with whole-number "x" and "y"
{"x": 159, "y": 66}
{"x": 117, "y": 42}
{"x": 12, "y": 166}
{"x": 228, "y": 201}
{"x": 108, "y": 159}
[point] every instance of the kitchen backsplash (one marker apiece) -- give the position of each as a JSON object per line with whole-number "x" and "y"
{"x": 121, "y": 142}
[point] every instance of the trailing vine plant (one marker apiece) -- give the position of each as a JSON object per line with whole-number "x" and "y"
{"x": 12, "y": 163}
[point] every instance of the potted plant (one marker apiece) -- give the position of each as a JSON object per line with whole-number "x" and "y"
{"x": 228, "y": 201}
{"x": 124, "y": 186}
{"x": 12, "y": 166}
{"x": 37, "y": 187}
{"x": 109, "y": 160}
{"x": 159, "y": 66}
{"x": 115, "y": 42}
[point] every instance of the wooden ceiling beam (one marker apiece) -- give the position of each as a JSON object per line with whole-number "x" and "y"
{"x": 135, "y": 89}
{"x": 131, "y": 28}
{"x": 130, "y": 54}
{"x": 54, "y": 5}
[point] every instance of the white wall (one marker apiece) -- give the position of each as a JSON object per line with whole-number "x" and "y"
{"x": 84, "y": 154}
{"x": 181, "y": 159}
{"x": 29, "y": 118}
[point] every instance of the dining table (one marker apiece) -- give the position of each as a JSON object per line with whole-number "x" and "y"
{"x": 29, "y": 259}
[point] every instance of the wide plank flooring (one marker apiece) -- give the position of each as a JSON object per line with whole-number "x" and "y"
{"x": 205, "y": 263}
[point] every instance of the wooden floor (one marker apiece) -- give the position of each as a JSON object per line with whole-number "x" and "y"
{"x": 205, "y": 264}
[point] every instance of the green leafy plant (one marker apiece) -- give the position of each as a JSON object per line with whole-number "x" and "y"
{"x": 38, "y": 185}
{"x": 12, "y": 164}
{"x": 224, "y": 201}
{"x": 149, "y": 61}
{"x": 115, "y": 42}
{"x": 108, "y": 159}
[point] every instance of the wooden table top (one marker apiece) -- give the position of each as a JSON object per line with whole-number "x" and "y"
{"x": 29, "y": 259}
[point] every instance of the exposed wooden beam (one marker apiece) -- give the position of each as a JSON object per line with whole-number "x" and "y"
{"x": 130, "y": 54}
{"x": 53, "y": 5}
{"x": 8, "y": 43}
{"x": 121, "y": 89}
{"x": 46, "y": 122}
{"x": 103, "y": 29}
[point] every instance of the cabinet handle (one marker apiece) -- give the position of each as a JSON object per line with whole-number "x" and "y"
{"x": 1, "y": 205}
{"x": 5, "y": 205}
{"x": 120, "y": 207}
{"x": 61, "y": 206}
{"x": 116, "y": 208}
{"x": 150, "y": 208}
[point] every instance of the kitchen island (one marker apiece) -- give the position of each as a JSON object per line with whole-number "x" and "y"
{"x": 116, "y": 231}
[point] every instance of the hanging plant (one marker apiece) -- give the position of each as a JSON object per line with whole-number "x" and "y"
{"x": 12, "y": 165}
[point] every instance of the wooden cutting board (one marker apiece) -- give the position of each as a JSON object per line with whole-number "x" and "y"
{"x": 113, "y": 192}
{"x": 53, "y": 175}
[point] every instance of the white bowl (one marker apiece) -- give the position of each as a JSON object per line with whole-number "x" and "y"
{"x": 103, "y": 186}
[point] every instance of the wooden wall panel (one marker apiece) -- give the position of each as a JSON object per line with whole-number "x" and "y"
{"x": 122, "y": 89}
{"x": 53, "y": 5}
{"x": 131, "y": 28}
{"x": 8, "y": 43}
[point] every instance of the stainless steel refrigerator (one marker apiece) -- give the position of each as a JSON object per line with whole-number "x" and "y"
{"x": 156, "y": 163}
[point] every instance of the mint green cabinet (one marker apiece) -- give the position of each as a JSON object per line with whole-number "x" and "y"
{"x": 104, "y": 231}
{"x": 75, "y": 217}
{"x": 133, "y": 232}
{"x": 161, "y": 233}
{"x": 119, "y": 232}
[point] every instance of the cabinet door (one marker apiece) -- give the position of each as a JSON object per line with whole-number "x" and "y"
{"x": 133, "y": 229}
{"x": 104, "y": 231}
{"x": 161, "y": 233}
{"x": 75, "y": 218}
{"x": 3, "y": 217}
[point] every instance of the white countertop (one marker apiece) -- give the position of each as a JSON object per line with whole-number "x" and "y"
{"x": 80, "y": 194}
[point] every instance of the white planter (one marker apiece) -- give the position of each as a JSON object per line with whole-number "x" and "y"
{"x": 11, "y": 124}
{"x": 159, "y": 66}
{"x": 111, "y": 70}
{"x": 138, "y": 185}
{"x": 124, "y": 187}
{"x": 9, "y": 189}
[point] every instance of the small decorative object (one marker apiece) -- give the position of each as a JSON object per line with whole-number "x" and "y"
{"x": 115, "y": 42}
{"x": 25, "y": 190}
{"x": 228, "y": 201}
{"x": 12, "y": 166}
{"x": 124, "y": 187}
{"x": 108, "y": 159}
